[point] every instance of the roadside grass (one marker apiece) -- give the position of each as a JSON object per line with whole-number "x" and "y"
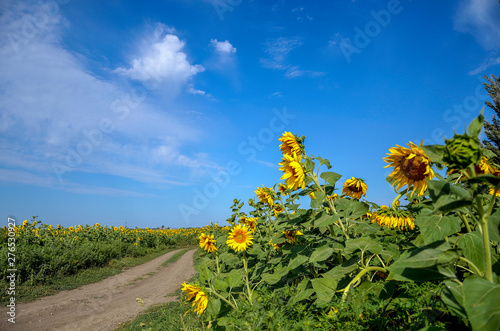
{"x": 27, "y": 293}
{"x": 170, "y": 316}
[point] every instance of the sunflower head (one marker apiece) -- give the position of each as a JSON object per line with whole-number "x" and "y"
{"x": 292, "y": 236}
{"x": 207, "y": 242}
{"x": 354, "y": 188}
{"x": 282, "y": 188}
{"x": 199, "y": 296}
{"x": 411, "y": 167}
{"x": 391, "y": 217}
{"x": 265, "y": 195}
{"x": 239, "y": 238}
{"x": 290, "y": 145}
{"x": 250, "y": 222}
{"x": 294, "y": 175}
{"x": 461, "y": 151}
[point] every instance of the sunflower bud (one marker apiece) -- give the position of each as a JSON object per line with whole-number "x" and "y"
{"x": 462, "y": 151}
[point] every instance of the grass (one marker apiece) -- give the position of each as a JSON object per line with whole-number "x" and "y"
{"x": 171, "y": 316}
{"x": 27, "y": 293}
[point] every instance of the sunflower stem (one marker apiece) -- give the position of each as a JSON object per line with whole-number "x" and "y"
{"x": 217, "y": 261}
{"x": 330, "y": 203}
{"x": 358, "y": 277}
{"x": 396, "y": 199}
{"x": 223, "y": 299}
{"x": 473, "y": 266}
{"x": 464, "y": 219}
{"x": 245, "y": 266}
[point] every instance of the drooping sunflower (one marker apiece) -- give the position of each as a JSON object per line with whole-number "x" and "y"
{"x": 484, "y": 167}
{"x": 250, "y": 222}
{"x": 278, "y": 209}
{"x": 402, "y": 219}
{"x": 199, "y": 296}
{"x": 239, "y": 238}
{"x": 290, "y": 145}
{"x": 292, "y": 236}
{"x": 411, "y": 167}
{"x": 282, "y": 188}
{"x": 207, "y": 242}
{"x": 354, "y": 188}
{"x": 293, "y": 172}
{"x": 265, "y": 195}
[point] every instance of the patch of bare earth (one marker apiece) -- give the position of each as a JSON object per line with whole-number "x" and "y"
{"x": 103, "y": 305}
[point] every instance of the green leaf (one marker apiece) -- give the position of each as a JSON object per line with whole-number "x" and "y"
{"x": 476, "y": 125}
{"x": 221, "y": 285}
{"x": 324, "y": 161}
{"x": 271, "y": 279}
{"x": 256, "y": 250}
{"x": 434, "y": 152}
{"x": 302, "y": 295}
{"x": 338, "y": 272}
{"x": 234, "y": 278}
{"x": 229, "y": 259}
{"x": 324, "y": 287}
{"x": 321, "y": 253}
{"x": 320, "y": 197}
{"x": 425, "y": 263}
{"x": 363, "y": 244}
{"x": 494, "y": 226}
{"x": 330, "y": 177}
{"x": 438, "y": 188}
{"x": 482, "y": 304}
{"x": 213, "y": 307}
{"x": 472, "y": 247}
{"x": 298, "y": 261}
{"x": 453, "y": 298}
{"x": 324, "y": 220}
{"x": 485, "y": 179}
{"x": 437, "y": 227}
{"x": 204, "y": 273}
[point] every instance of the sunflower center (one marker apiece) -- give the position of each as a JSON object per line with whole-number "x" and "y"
{"x": 414, "y": 169}
{"x": 354, "y": 188}
{"x": 239, "y": 238}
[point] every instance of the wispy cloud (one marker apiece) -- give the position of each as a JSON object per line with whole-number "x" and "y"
{"x": 278, "y": 50}
{"x": 58, "y": 119}
{"x": 492, "y": 60}
{"x": 481, "y": 18}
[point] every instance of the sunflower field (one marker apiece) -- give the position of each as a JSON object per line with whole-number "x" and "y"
{"x": 44, "y": 252}
{"x": 427, "y": 261}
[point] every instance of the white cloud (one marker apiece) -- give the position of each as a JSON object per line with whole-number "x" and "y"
{"x": 481, "y": 18}
{"x": 163, "y": 61}
{"x": 54, "y": 112}
{"x": 223, "y": 47}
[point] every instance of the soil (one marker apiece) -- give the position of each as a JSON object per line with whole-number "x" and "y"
{"x": 103, "y": 305}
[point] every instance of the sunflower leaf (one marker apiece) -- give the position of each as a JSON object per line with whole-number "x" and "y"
{"x": 476, "y": 125}
{"x": 453, "y": 297}
{"x": 437, "y": 227}
{"x": 320, "y": 197}
{"x": 298, "y": 261}
{"x": 330, "y": 177}
{"x": 438, "y": 188}
{"x": 324, "y": 287}
{"x": 363, "y": 244}
{"x": 472, "y": 247}
{"x": 430, "y": 262}
{"x": 481, "y": 303}
{"x": 324, "y": 161}
{"x": 321, "y": 253}
{"x": 434, "y": 152}
{"x": 494, "y": 226}
{"x": 485, "y": 179}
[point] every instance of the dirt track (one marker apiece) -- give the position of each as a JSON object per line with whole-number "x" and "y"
{"x": 103, "y": 305}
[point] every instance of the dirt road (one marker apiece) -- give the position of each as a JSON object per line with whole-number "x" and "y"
{"x": 103, "y": 305}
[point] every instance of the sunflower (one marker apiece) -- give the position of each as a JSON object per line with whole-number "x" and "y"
{"x": 411, "y": 167}
{"x": 250, "y": 222}
{"x": 265, "y": 195}
{"x": 289, "y": 145}
{"x": 393, "y": 218}
{"x": 293, "y": 172}
{"x": 239, "y": 238}
{"x": 278, "y": 209}
{"x": 332, "y": 197}
{"x": 207, "y": 242}
{"x": 312, "y": 196}
{"x": 282, "y": 188}
{"x": 492, "y": 190}
{"x": 292, "y": 236}
{"x": 354, "y": 188}
{"x": 484, "y": 167}
{"x": 200, "y": 297}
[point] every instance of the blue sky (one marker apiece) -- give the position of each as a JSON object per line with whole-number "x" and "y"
{"x": 119, "y": 112}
